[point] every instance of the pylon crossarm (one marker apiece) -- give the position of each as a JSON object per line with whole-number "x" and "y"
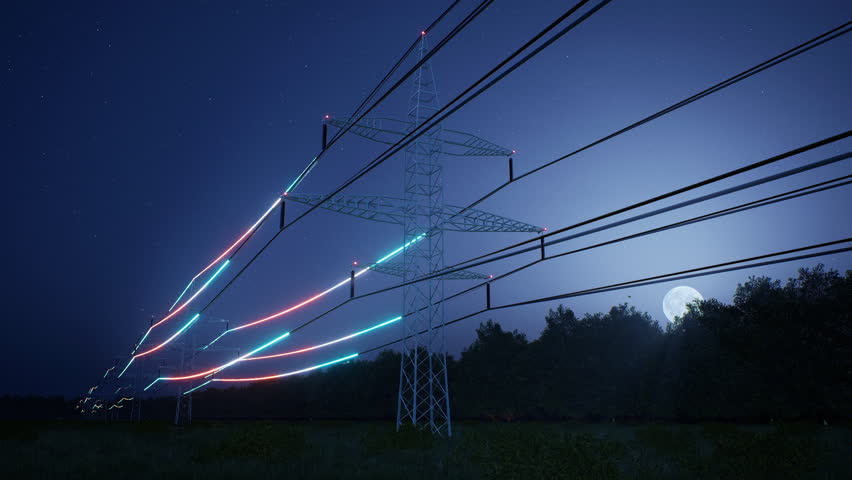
{"x": 460, "y": 220}
{"x": 389, "y": 130}
{"x": 369, "y": 207}
{"x": 397, "y": 269}
{"x": 393, "y": 210}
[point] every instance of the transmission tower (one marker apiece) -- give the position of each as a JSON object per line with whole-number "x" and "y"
{"x": 424, "y": 398}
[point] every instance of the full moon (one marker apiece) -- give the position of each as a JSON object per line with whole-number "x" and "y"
{"x": 674, "y": 303}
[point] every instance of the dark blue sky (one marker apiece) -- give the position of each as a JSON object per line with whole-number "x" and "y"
{"x": 139, "y": 140}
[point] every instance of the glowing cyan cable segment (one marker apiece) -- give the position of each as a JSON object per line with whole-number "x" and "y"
{"x": 214, "y": 370}
{"x": 287, "y": 374}
{"x": 182, "y": 294}
{"x": 315, "y": 347}
{"x": 301, "y": 176}
{"x": 229, "y": 249}
{"x": 109, "y": 370}
{"x": 196, "y": 388}
{"x": 141, "y": 341}
{"x": 321, "y": 294}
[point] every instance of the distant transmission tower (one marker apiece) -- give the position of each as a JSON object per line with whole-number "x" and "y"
{"x": 424, "y": 398}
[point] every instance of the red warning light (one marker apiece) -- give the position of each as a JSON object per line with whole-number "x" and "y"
{"x": 355, "y": 263}
{"x": 491, "y": 276}
{"x": 422, "y": 33}
{"x": 514, "y": 152}
{"x": 544, "y": 229}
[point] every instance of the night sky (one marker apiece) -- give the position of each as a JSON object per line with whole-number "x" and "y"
{"x": 140, "y": 139}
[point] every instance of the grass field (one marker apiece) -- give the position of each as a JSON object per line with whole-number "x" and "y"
{"x": 371, "y": 450}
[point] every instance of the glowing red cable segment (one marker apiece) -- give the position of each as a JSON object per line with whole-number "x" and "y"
{"x": 194, "y": 375}
{"x": 295, "y": 307}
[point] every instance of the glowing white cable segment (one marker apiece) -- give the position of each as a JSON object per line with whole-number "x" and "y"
{"x": 229, "y": 249}
{"x": 287, "y": 374}
{"x": 316, "y": 347}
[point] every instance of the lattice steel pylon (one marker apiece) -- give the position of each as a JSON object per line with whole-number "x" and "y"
{"x": 424, "y": 399}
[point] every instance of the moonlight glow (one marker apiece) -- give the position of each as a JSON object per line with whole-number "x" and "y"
{"x": 674, "y": 303}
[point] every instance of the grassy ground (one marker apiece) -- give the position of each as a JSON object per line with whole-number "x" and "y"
{"x": 364, "y": 450}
